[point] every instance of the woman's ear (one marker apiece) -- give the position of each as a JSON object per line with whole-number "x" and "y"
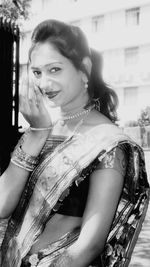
{"x": 87, "y": 64}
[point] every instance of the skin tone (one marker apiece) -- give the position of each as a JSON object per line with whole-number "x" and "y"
{"x": 54, "y": 75}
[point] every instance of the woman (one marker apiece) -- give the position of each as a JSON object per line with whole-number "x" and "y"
{"x": 69, "y": 173}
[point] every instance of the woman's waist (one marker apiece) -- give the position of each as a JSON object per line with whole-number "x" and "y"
{"x": 55, "y": 228}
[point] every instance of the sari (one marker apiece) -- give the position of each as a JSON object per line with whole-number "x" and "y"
{"x": 50, "y": 183}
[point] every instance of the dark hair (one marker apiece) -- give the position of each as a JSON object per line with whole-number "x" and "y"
{"x": 71, "y": 42}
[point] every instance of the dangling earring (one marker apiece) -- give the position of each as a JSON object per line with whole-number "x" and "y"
{"x": 85, "y": 81}
{"x": 97, "y": 104}
{"x": 86, "y": 85}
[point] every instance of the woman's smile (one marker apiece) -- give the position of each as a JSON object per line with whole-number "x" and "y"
{"x": 52, "y": 94}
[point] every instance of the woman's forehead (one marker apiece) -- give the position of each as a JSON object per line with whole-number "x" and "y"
{"x": 45, "y": 53}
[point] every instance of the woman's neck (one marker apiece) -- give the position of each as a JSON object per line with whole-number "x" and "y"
{"x": 72, "y": 109}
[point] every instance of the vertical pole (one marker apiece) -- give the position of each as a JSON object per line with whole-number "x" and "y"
{"x": 9, "y": 81}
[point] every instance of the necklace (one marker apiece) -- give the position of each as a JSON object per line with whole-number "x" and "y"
{"x": 86, "y": 112}
{"x": 63, "y": 119}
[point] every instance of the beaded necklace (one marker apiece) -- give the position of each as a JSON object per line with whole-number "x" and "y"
{"x": 63, "y": 119}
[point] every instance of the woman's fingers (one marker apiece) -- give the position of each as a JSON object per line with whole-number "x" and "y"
{"x": 42, "y": 107}
{"x": 32, "y": 105}
{"x": 24, "y": 86}
{"x": 39, "y": 99}
{"x": 23, "y": 94}
{"x": 32, "y": 95}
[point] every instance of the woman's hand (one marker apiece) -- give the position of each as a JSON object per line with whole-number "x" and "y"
{"x": 32, "y": 107}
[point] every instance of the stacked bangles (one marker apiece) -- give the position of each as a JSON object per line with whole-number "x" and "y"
{"x": 23, "y": 160}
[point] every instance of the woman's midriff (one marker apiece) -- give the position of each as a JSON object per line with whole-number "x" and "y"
{"x": 56, "y": 227}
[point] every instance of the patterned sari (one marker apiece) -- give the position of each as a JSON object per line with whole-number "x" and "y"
{"x": 49, "y": 184}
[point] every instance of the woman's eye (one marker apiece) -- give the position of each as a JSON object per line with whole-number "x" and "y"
{"x": 54, "y": 69}
{"x": 36, "y": 73}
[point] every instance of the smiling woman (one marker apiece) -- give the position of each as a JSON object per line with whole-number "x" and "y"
{"x": 78, "y": 181}
{"x": 57, "y": 78}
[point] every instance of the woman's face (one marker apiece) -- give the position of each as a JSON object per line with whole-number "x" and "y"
{"x": 57, "y": 77}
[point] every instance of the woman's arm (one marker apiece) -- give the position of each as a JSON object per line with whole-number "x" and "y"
{"x": 105, "y": 189}
{"x": 13, "y": 180}
{"x": 104, "y": 193}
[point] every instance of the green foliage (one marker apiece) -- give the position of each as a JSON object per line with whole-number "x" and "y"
{"x": 15, "y": 9}
{"x": 144, "y": 118}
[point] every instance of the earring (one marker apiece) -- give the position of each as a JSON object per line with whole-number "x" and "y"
{"x": 97, "y": 104}
{"x": 85, "y": 81}
{"x": 86, "y": 85}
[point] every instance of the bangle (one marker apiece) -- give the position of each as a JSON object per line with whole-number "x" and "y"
{"x": 41, "y": 129}
{"x": 22, "y": 166}
{"x": 23, "y": 160}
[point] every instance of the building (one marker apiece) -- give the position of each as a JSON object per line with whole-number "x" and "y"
{"x": 119, "y": 30}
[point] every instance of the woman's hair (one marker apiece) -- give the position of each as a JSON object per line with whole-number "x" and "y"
{"x": 71, "y": 42}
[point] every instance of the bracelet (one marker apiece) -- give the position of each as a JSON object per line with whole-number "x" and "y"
{"x": 41, "y": 129}
{"x": 23, "y": 160}
{"x": 23, "y": 166}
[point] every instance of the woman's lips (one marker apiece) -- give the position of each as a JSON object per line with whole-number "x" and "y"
{"x": 52, "y": 94}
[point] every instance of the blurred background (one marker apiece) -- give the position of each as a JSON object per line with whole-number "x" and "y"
{"x": 119, "y": 30}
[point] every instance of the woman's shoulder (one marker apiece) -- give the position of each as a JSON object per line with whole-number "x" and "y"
{"x": 98, "y": 127}
{"x": 96, "y": 119}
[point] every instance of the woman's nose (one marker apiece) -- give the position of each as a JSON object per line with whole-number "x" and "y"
{"x": 44, "y": 84}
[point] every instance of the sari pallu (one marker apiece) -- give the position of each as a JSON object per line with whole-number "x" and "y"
{"x": 49, "y": 184}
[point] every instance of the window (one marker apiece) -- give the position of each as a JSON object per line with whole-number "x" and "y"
{"x": 130, "y": 95}
{"x": 97, "y": 23}
{"x": 131, "y": 56}
{"x": 133, "y": 16}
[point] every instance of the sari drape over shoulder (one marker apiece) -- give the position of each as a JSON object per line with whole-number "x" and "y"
{"x": 50, "y": 183}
